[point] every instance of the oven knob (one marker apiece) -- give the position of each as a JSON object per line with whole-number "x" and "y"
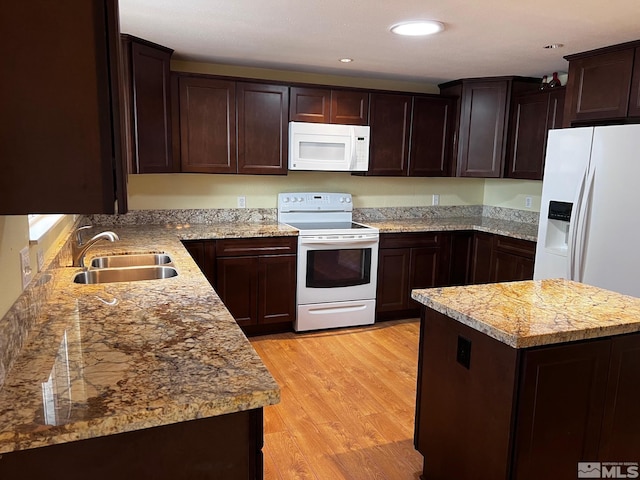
{"x": 348, "y": 200}
{"x": 285, "y": 199}
{"x": 341, "y": 199}
{"x": 300, "y": 199}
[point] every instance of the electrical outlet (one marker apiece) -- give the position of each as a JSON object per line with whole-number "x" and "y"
{"x": 40, "y": 259}
{"x": 25, "y": 267}
{"x": 436, "y": 199}
{"x": 242, "y": 201}
{"x": 527, "y": 202}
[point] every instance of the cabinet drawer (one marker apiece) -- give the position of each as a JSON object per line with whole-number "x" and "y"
{"x": 408, "y": 240}
{"x": 238, "y": 247}
{"x": 515, "y": 246}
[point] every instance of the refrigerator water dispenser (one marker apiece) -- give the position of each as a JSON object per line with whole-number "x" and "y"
{"x": 557, "y": 237}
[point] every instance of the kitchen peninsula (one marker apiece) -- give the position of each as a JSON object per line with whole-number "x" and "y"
{"x": 523, "y": 380}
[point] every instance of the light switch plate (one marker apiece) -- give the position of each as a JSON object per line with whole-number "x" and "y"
{"x": 25, "y": 267}
{"x": 436, "y": 199}
{"x": 527, "y": 202}
{"x": 242, "y": 201}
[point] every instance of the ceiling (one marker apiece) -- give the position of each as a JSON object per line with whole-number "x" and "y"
{"x": 481, "y": 38}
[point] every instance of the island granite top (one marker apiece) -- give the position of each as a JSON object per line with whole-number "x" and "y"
{"x": 533, "y": 313}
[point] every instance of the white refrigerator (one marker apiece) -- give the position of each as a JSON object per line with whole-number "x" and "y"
{"x": 589, "y": 228}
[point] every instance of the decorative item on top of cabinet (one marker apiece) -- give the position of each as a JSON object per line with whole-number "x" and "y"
{"x": 411, "y": 135}
{"x": 61, "y": 108}
{"x": 604, "y": 86}
{"x": 328, "y": 105}
{"x": 483, "y": 109}
{"x": 147, "y": 95}
{"x": 232, "y": 127}
{"x": 532, "y": 116}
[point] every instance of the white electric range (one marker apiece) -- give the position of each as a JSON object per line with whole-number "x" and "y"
{"x": 337, "y": 260}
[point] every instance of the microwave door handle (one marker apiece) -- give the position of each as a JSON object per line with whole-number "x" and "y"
{"x": 353, "y": 148}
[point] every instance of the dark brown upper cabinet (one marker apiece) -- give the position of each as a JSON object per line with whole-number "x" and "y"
{"x": 603, "y": 85}
{"x": 390, "y": 128}
{"x": 232, "y": 127}
{"x": 532, "y": 116}
{"x": 482, "y": 122}
{"x": 432, "y": 128}
{"x": 262, "y": 128}
{"x": 147, "y": 95}
{"x": 207, "y": 125}
{"x": 410, "y": 135}
{"x": 61, "y": 108}
{"x": 326, "y": 105}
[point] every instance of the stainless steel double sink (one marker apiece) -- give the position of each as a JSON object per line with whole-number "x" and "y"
{"x": 127, "y": 268}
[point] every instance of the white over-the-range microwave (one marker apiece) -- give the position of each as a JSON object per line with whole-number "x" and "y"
{"x": 328, "y": 147}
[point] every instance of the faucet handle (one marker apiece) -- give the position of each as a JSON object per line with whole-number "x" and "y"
{"x": 79, "y": 231}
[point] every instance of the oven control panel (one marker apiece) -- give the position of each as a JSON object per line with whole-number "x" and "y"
{"x": 294, "y": 202}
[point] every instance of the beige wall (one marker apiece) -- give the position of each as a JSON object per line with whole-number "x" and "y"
{"x": 166, "y": 191}
{"x": 14, "y": 236}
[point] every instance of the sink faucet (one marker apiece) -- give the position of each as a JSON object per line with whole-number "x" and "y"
{"x": 79, "y": 248}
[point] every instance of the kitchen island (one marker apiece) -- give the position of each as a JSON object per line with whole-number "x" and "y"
{"x": 523, "y": 380}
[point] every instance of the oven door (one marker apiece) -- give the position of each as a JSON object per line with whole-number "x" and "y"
{"x": 337, "y": 268}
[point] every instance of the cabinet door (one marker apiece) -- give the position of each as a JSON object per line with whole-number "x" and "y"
{"x": 482, "y": 258}
{"x": 237, "y": 286}
{"x": 431, "y": 136}
{"x": 61, "y": 108}
{"x": 276, "y": 289}
{"x": 149, "y": 107}
{"x": 634, "y": 100}
{"x": 461, "y": 258}
{"x": 204, "y": 254}
{"x": 390, "y": 128}
{"x": 546, "y": 399}
{"x": 482, "y": 129}
{"x": 262, "y": 128}
{"x": 207, "y": 125}
{"x": 393, "y": 279}
{"x": 528, "y": 135}
{"x": 424, "y": 272}
{"x": 599, "y": 87}
{"x": 349, "y": 107}
{"x": 510, "y": 268}
{"x": 311, "y": 105}
{"x": 621, "y": 422}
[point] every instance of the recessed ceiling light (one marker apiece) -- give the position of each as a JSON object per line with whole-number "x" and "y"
{"x": 417, "y": 28}
{"x": 346, "y": 60}
{"x": 554, "y": 45}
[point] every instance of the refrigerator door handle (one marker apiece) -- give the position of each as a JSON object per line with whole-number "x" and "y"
{"x": 581, "y": 234}
{"x": 573, "y": 227}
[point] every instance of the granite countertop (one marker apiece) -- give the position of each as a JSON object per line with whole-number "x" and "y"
{"x": 117, "y": 357}
{"x": 524, "y": 231}
{"x": 110, "y": 358}
{"x": 533, "y": 313}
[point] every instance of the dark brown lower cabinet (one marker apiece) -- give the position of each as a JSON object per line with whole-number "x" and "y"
{"x": 407, "y": 261}
{"x": 256, "y": 280}
{"x": 223, "y": 447}
{"x": 204, "y": 254}
{"x": 496, "y": 258}
{"x": 523, "y": 413}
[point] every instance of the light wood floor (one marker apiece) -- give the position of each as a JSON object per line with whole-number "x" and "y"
{"x": 348, "y": 399}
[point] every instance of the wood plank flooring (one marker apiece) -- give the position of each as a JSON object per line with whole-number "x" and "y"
{"x": 348, "y": 400}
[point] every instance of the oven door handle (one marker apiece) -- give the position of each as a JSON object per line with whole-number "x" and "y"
{"x": 339, "y": 241}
